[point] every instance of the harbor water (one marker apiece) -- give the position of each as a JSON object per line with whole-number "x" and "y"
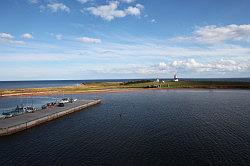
{"x": 158, "y": 127}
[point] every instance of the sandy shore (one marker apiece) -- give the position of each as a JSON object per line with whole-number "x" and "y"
{"x": 79, "y": 92}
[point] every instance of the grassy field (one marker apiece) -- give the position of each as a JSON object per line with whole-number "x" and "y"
{"x": 124, "y": 86}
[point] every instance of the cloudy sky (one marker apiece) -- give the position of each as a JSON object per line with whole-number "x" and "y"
{"x": 109, "y": 39}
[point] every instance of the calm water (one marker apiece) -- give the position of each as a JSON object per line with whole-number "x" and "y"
{"x": 53, "y": 83}
{"x": 175, "y": 127}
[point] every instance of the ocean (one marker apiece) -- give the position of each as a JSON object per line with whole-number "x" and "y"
{"x": 158, "y": 127}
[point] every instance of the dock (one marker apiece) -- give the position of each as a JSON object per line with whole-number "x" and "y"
{"x": 22, "y": 122}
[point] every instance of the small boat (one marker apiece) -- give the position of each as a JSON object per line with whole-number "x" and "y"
{"x": 51, "y": 104}
{"x": 65, "y": 100}
{"x": 19, "y": 111}
{"x": 44, "y": 106}
{"x": 2, "y": 116}
{"x": 71, "y": 100}
{"x": 7, "y": 114}
{"x": 60, "y": 104}
{"x": 30, "y": 109}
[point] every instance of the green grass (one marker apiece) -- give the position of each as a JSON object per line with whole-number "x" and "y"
{"x": 106, "y": 86}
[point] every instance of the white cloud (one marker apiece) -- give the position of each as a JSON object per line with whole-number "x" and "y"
{"x": 88, "y": 40}
{"x": 186, "y": 68}
{"x": 133, "y": 11}
{"x": 59, "y": 37}
{"x": 156, "y": 49}
{"x": 27, "y": 36}
{"x": 17, "y": 42}
{"x": 223, "y": 65}
{"x": 29, "y": 57}
{"x": 8, "y": 38}
{"x": 139, "y": 6}
{"x": 83, "y": 1}
{"x": 162, "y": 65}
{"x": 111, "y": 11}
{"x": 135, "y": 57}
{"x": 54, "y": 7}
{"x": 153, "y": 21}
{"x": 215, "y": 34}
{"x": 107, "y": 12}
{"x": 127, "y": 1}
{"x": 33, "y": 1}
{"x": 42, "y": 8}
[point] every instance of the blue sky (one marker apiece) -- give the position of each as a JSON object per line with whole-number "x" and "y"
{"x": 104, "y": 39}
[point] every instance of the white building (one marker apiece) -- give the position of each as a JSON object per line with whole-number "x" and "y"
{"x": 175, "y": 78}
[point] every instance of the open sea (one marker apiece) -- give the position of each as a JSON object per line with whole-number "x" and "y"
{"x": 158, "y": 127}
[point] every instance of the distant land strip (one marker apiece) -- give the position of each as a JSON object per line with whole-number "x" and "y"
{"x": 109, "y": 87}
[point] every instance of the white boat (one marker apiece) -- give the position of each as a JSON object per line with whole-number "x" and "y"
{"x": 7, "y": 115}
{"x": 65, "y": 100}
{"x": 2, "y": 116}
{"x": 30, "y": 109}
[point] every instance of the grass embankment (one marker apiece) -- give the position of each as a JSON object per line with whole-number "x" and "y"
{"x": 194, "y": 84}
{"x": 124, "y": 86}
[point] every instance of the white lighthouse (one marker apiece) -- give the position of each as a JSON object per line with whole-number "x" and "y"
{"x": 175, "y": 78}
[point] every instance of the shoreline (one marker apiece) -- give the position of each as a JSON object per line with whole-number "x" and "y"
{"x": 115, "y": 87}
{"x": 83, "y": 92}
{"x": 109, "y": 91}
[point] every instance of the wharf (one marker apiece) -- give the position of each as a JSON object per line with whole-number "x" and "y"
{"x": 18, "y": 123}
